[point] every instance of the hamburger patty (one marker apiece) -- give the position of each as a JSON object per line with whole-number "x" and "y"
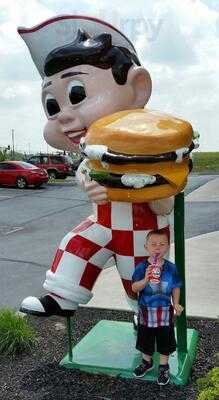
{"x": 115, "y": 180}
{"x": 109, "y": 156}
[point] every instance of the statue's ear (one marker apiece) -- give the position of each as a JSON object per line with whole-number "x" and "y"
{"x": 140, "y": 80}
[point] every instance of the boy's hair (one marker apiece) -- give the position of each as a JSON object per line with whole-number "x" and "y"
{"x": 97, "y": 51}
{"x": 163, "y": 231}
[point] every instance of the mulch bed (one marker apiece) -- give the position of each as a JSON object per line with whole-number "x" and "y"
{"x": 37, "y": 376}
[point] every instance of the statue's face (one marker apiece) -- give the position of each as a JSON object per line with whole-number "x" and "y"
{"x": 78, "y": 96}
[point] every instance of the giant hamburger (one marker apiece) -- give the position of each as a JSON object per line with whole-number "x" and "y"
{"x": 139, "y": 155}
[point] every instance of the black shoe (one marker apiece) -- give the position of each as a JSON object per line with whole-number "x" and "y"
{"x": 142, "y": 368}
{"x": 163, "y": 375}
{"x": 45, "y": 306}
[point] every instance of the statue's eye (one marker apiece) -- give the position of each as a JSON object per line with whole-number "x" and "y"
{"x": 76, "y": 92}
{"x": 51, "y": 105}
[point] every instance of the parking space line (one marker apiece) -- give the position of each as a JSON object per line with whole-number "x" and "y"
{"x": 14, "y": 230}
{"x": 5, "y": 197}
{"x": 6, "y": 230}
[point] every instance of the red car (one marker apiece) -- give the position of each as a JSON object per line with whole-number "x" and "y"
{"x": 57, "y": 165}
{"x": 21, "y": 174}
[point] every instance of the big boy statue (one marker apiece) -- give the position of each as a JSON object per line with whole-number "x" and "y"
{"x": 90, "y": 70}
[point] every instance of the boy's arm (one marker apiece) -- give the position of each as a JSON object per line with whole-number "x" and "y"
{"x": 140, "y": 285}
{"x": 176, "y": 296}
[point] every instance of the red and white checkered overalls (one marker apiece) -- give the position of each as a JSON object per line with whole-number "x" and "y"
{"x": 118, "y": 229}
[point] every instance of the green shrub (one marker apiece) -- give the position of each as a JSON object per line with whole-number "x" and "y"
{"x": 16, "y": 335}
{"x": 209, "y": 386}
{"x": 208, "y": 394}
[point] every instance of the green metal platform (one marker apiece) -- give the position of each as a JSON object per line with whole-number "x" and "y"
{"x": 109, "y": 348}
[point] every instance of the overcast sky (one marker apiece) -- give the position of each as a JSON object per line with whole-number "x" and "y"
{"x": 177, "y": 41}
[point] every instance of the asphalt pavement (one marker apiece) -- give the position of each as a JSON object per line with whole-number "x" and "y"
{"x": 33, "y": 221}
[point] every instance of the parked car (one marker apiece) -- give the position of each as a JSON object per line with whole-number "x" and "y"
{"x": 56, "y": 165}
{"x": 21, "y": 174}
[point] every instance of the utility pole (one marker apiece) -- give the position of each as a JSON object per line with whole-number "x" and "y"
{"x": 12, "y": 134}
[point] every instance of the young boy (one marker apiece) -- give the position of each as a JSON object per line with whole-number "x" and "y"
{"x": 155, "y": 318}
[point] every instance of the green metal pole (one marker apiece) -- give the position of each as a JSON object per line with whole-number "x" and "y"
{"x": 68, "y": 323}
{"x": 181, "y": 325}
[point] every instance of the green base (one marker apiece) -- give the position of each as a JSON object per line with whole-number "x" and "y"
{"x": 109, "y": 348}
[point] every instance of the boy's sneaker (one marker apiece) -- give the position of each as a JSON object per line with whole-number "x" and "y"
{"x": 142, "y": 368}
{"x": 163, "y": 375}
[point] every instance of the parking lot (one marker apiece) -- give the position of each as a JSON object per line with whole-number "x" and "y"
{"x": 32, "y": 222}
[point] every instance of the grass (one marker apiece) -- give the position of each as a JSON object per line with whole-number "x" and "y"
{"x": 205, "y": 161}
{"x": 56, "y": 181}
{"x": 209, "y": 385}
{"x": 61, "y": 181}
{"x": 16, "y": 335}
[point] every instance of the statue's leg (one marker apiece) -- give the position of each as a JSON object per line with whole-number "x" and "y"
{"x": 130, "y": 251}
{"x": 125, "y": 266}
{"x": 78, "y": 262}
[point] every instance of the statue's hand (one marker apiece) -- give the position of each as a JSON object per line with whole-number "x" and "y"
{"x": 162, "y": 206}
{"x": 96, "y": 193}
